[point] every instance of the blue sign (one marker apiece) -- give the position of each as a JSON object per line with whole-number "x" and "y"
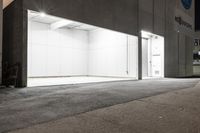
{"x": 187, "y": 4}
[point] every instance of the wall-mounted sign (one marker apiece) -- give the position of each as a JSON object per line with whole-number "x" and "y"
{"x": 183, "y": 22}
{"x": 187, "y": 4}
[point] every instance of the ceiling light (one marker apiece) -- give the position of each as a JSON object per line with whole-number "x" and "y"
{"x": 42, "y": 14}
{"x": 60, "y": 24}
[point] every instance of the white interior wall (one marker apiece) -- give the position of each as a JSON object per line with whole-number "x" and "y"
{"x": 112, "y": 54}
{"x": 70, "y": 52}
{"x": 133, "y": 56}
{"x": 60, "y": 52}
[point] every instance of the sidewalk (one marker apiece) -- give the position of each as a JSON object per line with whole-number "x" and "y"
{"x": 173, "y": 112}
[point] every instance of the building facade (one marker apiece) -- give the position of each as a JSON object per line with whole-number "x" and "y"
{"x": 172, "y": 19}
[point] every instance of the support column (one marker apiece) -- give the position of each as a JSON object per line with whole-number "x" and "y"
{"x": 140, "y": 56}
{"x": 139, "y": 44}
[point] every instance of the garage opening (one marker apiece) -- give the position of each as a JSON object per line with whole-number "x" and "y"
{"x": 152, "y": 55}
{"x": 62, "y": 51}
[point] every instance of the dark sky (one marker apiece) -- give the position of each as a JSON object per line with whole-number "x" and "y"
{"x": 197, "y": 15}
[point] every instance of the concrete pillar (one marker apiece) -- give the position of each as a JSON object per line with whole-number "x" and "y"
{"x": 139, "y": 43}
{"x": 139, "y": 56}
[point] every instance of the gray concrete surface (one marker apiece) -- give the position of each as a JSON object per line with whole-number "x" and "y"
{"x": 65, "y": 107}
{"x": 173, "y": 112}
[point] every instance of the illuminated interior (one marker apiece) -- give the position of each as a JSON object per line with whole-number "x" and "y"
{"x": 152, "y": 55}
{"x": 62, "y": 51}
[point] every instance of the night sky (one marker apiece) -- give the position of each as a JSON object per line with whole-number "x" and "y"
{"x": 197, "y": 15}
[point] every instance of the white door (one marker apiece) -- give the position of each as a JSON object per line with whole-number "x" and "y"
{"x": 157, "y": 57}
{"x": 152, "y": 57}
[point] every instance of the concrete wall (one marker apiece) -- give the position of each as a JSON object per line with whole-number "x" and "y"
{"x": 128, "y": 16}
{"x": 13, "y": 38}
{"x": 157, "y": 16}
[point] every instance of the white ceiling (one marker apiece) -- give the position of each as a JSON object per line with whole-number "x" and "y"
{"x": 35, "y": 16}
{"x": 48, "y": 19}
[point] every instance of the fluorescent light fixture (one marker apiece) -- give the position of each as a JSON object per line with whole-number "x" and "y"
{"x": 42, "y": 14}
{"x": 146, "y": 34}
{"x": 60, "y": 24}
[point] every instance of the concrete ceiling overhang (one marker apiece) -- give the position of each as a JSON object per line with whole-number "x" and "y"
{"x": 6, "y": 3}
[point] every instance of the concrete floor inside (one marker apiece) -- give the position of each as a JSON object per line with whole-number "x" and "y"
{"x": 33, "y": 82}
{"x": 23, "y": 108}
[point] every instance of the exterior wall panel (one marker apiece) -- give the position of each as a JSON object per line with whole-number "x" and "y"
{"x": 13, "y": 37}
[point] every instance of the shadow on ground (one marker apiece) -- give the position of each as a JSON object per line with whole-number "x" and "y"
{"x": 20, "y": 108}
